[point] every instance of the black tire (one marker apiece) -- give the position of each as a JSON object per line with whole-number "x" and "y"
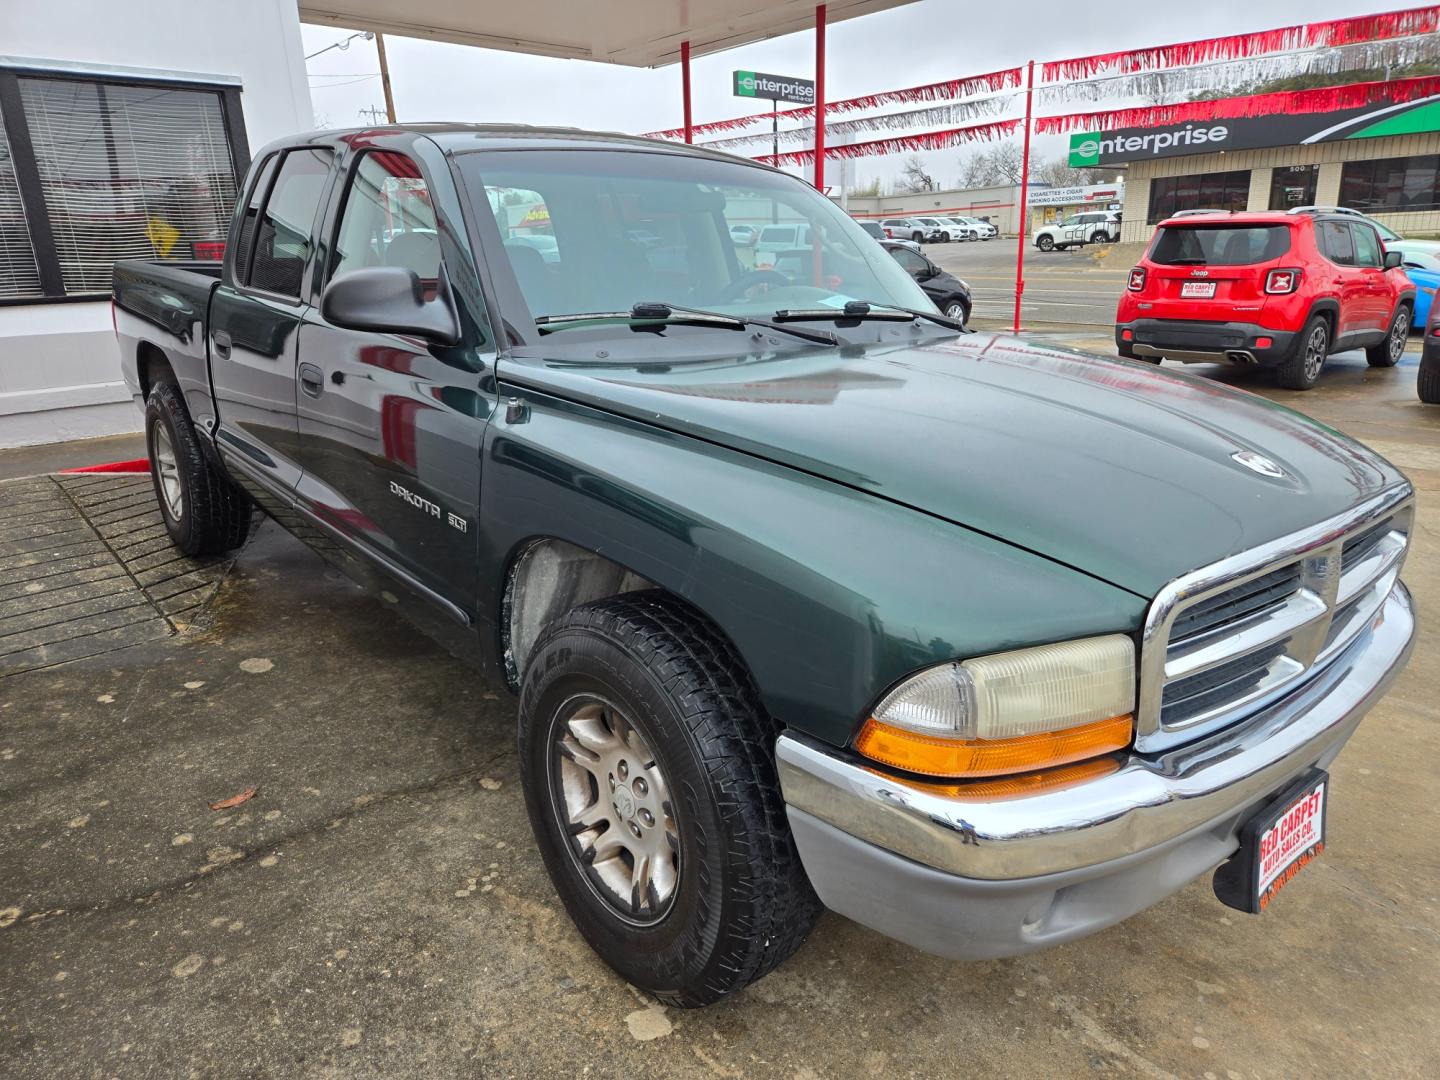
{"x": 956, "y": 308}
{"x": 1392, "y": 347}
{"x": 211, "y": 514}
{"x": 1301, "y": 370}
{"x": 1045, "y": 243}
{"x": 918, "y": 237}
{"x": 740, "y": 903}
{"x": 944, "y": 238}
{"x": 1428, "y": 383}
{"x": 1100, "y": 238}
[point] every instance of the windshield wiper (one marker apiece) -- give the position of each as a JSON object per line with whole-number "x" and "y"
{"x": 658, "y": 311}
{"x": 866, "y": 309}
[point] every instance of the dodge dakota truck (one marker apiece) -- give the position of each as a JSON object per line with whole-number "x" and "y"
{"x": 810, "y": 598}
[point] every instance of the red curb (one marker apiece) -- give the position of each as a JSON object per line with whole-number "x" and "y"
{"x": 139, "y": 465}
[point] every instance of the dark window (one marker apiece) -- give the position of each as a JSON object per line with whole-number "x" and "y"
{"x": 1367, "y": 246}
{"x": 245, "y": 237}
{"x": 1336, "y": 242}
{"x": 98, "y": 169}
{"x": 913, "y": 263}
{"x": 1203, "y": 191}
{"x": 282, "y": 243}
{"x": 1292, "y": 186}
{"x": 1218, "y": 245}
{"x": 1392, "y": 184}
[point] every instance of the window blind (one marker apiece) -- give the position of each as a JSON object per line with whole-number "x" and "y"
{"x": 19, "y": 274}
{"x": 138, "y": 172}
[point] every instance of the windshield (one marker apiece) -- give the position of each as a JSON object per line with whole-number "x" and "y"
{"x": 1219, "y": 245}
{"x": 634, "y": 226}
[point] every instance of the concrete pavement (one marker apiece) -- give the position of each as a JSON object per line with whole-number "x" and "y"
{"x": 377, "y": 909}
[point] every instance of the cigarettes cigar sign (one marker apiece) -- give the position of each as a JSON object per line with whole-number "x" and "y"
{"x": 755, "y": 84}
{"x": 1249, "y": 133}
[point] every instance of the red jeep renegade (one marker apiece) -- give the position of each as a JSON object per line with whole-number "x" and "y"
{"x": 1276, "y": 289}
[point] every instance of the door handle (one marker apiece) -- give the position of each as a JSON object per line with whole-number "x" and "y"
{"x": 222, "y": 344}
{"x": 312, "y": 380}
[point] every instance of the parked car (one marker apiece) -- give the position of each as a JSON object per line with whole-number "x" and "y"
{"x": 1387, "y": 235}
{"x": 946, "y": 291}
{"x": 944, "y": 231}
{"x": 1096, "y": 227}
{"x": 775, "y": 239}
{"x": 1273, "y": 289}
{"x": 982, "y": 230}
{"x": 873, "y": 228}
{"x": 1428, "y": 381}
{"x": 808, "y": 597}
{"x": 1422, "y": 267}
{"x": 910, "y": 229}
{"x": 546, "y": 245}
{"x": 744, "y": 235}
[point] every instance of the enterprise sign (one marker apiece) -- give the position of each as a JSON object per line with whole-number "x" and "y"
{"x": 756, "y": 84}
{"x": 1248, "y": 133}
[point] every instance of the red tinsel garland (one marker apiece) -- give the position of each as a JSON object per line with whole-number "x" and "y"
{"x": 1309, "y": 35}
{"x": 949, "y": 89}
{"x": 1319, "y": 100}
{"x": 929, "y": 140}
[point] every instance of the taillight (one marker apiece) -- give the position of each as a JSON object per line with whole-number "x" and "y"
{"x": 1137, "y": 279}
{"x": 1280, "y": 282}
{"x": 209, "y": 250}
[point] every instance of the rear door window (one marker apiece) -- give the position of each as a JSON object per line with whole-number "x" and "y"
{"x": 282, "y": 242}
{"x": 1367, "y": 246}
{"x": 1337, "y": 242}
{"x": 1220, "y": 246}
{"x": 246, "y": 234}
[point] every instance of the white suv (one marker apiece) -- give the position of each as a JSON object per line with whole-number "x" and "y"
{"x": 980, "y": 230}
{"x": 1091, "y": 227}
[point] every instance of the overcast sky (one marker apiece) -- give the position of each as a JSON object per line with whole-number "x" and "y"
{"x": 921, "y": 43}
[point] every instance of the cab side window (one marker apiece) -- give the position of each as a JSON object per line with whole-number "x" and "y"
{"x": 388, "y": 220}
{"x": 1367, "y": 246}
{"x": 282, "y": 241}
{"x": 1336, "y": 242}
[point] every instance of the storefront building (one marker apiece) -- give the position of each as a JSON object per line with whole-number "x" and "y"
{"x": 1383, "y": 160}
{"x": 124, "y": 130}
{"x": 1049, "y": 204}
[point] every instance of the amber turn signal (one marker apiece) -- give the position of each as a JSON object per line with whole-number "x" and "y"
{"x": 1024, "y": 784}
{"x": 929, "y": 755}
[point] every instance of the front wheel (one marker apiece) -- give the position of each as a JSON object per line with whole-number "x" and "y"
{"x": 1045, "y": 243}
{"x": 205, "y": 514}
{"x": 956, "y": 309}
{"x": 647, "y": 764}
{"x": 1301, "y": 371}
{"x": 1389, "y": 351}
{"x": 917, "y": 237}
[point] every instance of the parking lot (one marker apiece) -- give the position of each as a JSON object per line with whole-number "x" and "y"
{"x": 1062, "y": 288}
{"x": 376, "y": 907}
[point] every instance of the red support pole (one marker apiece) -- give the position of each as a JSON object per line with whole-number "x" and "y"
{"x": 685, "y": 86}
{"x": 820, "y": 98}
{"x": 1024, "y": 195}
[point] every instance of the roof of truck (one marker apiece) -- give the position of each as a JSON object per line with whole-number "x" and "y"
{"x": 461, "y": 137}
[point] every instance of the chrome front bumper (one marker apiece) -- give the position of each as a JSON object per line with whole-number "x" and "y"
{"x": 1059, "y": 864}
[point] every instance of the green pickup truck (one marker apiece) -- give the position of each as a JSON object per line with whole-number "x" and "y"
{"x": 811, "y": 598}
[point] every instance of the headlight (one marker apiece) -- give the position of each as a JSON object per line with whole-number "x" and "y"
{"x": 1010, "y": 712}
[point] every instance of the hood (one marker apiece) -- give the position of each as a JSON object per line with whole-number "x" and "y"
{"x": 1121, "y": 470}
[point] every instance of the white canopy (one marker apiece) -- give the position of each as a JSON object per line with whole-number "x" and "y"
{"x": 640, "y": 33}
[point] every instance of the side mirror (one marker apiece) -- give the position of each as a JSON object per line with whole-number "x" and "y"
{"x": 391, "y": 300}
{"x": 1394, "y": 259}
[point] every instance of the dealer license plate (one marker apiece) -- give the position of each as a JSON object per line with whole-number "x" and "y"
{"x": 1275, "y": 845}
{"x": 1202, "y": 290}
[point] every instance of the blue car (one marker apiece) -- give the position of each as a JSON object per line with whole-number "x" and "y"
{"x": 1422, "y": 266}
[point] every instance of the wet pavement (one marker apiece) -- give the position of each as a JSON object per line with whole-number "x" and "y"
{"x": 376, "y": 908}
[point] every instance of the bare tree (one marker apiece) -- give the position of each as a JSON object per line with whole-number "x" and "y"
{"x": 869, "y": 187}
{"x": 913, "y": 176}
{"x": 999, "y": 164}
{"x": 1006, "y": 159}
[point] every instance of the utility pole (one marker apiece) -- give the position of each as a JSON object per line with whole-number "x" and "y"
{"x": 385, "y": 78}
{"x": 373, "y": 113}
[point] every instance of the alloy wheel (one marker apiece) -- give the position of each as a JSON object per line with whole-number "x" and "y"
{"x": 167, "y": 471}
{"x": 614, "y": 803}
{"x": 955, "y": 310}
{"x": 1399, "y": 334}
{"x": 1315, "y": 352}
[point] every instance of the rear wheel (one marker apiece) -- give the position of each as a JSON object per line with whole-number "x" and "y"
{"x": 1045, "y": 243}
{"x": 1101, "y": 238}
{"x": 917, "y": 236}
{"x": 1389, "y": 351}
{"x": 204, "y": 512}
{"x": 1301, "y": 370}
{"x": 1428, "y": 383}
{"x": 646, "y": 761}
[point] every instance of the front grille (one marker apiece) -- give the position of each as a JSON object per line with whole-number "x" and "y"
{"x": 1224, "y": 641}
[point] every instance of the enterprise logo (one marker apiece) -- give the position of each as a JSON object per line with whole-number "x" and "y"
{"x": 1086, "y": 149}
